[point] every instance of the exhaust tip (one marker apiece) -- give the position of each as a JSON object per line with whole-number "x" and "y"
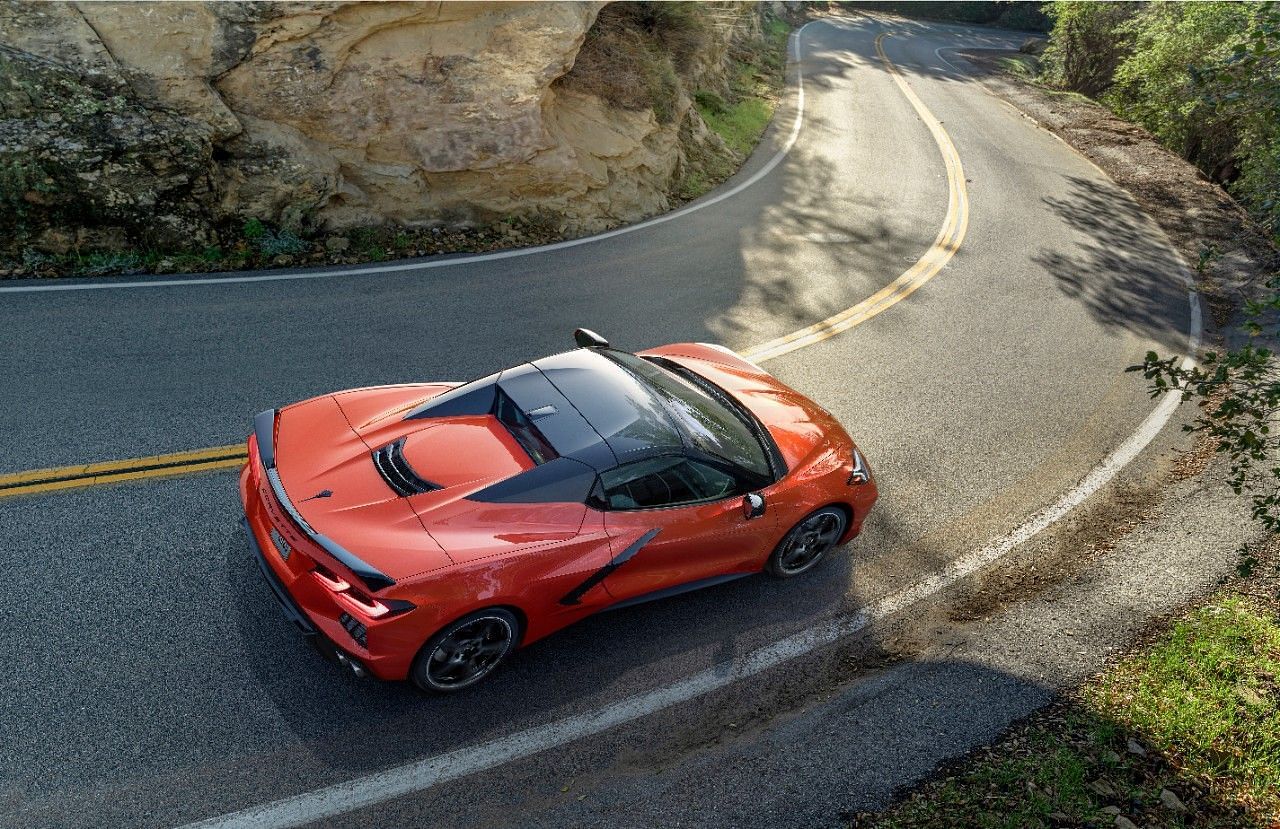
{"x": 352, "y": 665}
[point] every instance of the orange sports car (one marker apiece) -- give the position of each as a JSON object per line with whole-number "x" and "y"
{"x": 425, "y": 531}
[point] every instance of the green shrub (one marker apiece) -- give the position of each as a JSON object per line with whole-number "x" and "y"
{"x": 1087, "y": 44}
{"x": 271, "y": 242}
{"x": 275, "y": 243}
{"x": 1203, "y": 77}
{"x": 1009, "y": 14}
{"x": 253, "y": 229}
{"x": 1246, "y": 87}
{"x": 709, "y": 101}
{"x": 1154, "y": 85}
{"x": 97, "y": 264}
{"x": 1026, "y": 16}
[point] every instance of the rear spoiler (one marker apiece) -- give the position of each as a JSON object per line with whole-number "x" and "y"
{"x": 264, "y": 430}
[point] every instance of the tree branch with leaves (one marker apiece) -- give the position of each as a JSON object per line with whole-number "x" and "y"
{"x": 1239, "y": 396}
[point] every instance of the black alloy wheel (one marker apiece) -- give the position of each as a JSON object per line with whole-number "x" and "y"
{"x": 808, "y": 542}
{"x": 466, "y": 651}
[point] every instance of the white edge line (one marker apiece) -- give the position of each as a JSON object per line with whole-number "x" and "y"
{"x": 938, "y": 52}
{"x": 466, "y": 260}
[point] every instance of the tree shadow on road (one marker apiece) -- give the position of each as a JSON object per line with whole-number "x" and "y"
{"x": 1123, "y": 269}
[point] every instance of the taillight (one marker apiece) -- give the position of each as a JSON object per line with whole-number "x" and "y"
{"x": 334, "y": 583}
{"x": 358, "y": 602}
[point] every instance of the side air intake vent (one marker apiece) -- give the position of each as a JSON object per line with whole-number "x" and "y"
{"x": 395, "y": 470}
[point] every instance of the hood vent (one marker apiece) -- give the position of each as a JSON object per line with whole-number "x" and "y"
{"x": 397, "y": 472}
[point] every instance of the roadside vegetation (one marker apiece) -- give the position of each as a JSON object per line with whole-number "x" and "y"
{"x": 740, "y": 112}
{"x": 1182, "y": 732}
{"x": 1232, "y": 107}
{"x": 1204, "y": 78}
{"x": 255, "y": 244}
{"x": 1007, "y": 14}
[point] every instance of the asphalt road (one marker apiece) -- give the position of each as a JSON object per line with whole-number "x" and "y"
{"x": 150, "y": 679}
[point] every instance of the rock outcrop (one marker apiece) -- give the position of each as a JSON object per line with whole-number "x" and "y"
{"x": 159, "y": 123}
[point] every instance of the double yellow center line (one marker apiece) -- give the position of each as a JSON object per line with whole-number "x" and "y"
{"x": 926, "y": 267}
{"x": 109, "y": 472}
{"x": 940, "y": 252}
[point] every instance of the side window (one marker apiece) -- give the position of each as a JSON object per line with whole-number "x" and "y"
{"x": 664, "y": 481}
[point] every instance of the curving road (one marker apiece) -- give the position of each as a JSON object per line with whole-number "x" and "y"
{"x": 151, "y": 680}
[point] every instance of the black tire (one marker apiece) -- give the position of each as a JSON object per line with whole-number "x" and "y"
{"x": 808, "y": 542}
{"x": 466, "y": 651}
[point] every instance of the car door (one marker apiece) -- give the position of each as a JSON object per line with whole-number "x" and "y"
{"x": 696, "y": 509}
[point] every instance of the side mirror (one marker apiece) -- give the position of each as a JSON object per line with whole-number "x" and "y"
{"x": 586, "y": 338}
{"x": 753, "y": 505}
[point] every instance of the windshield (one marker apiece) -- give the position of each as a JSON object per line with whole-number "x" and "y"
{"x": 705, "y": 422}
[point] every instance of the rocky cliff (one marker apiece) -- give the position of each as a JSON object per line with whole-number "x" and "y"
{"x": 160, "y": 123}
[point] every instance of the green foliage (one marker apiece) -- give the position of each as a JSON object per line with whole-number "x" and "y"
{"x": 1204, "y": 78}
{"x": 776, "y": 30}
{"x": 1026, "y": 16}
{"x": 1246, "y": 87}
{"x": 1012, "y": 15}
{"x": 1208, "y": 690}
{"x": 253, "y": 229}
{"x": 709, "y": 101}
{"x": 1239, "y": 395}
{"x": 738, "y": 113}
{"x": 97, "y": 264}
{"x": 1017, "y": 791}
{"x": 275, "y": 243}
{"x": 1024, "y": 66}
{"x": 1087, "y": 43}
{"x": 740, "y": 124}
{"x": 1155, "y": 86}
{"x": 1203, "y": 702}
{"x": 271, "y": 242}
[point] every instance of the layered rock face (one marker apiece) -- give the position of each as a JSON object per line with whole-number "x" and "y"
{"x": 157, "y": 122}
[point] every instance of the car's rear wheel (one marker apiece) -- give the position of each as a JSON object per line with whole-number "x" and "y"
{"x": 808, "y": 542}
{"x": 466, "y": 651}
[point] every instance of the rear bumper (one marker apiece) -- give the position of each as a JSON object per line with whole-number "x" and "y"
{"x": 304, "y": 604}
{"x": 296, "y": 614}
{"x": 291, "y": 610}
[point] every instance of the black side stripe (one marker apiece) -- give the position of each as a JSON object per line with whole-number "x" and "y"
{"x": 575, "y": 595}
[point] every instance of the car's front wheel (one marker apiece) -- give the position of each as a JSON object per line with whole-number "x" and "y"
{"x": 807, "y": 542}
{"x": 466, "y": 651}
